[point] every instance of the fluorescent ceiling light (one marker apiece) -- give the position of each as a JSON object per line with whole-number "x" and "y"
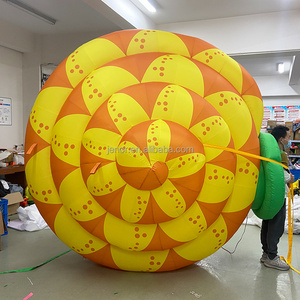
{"x": 30, "y": 10}
{"x": 148, "y": 5}
{"x": 280, "y": 67}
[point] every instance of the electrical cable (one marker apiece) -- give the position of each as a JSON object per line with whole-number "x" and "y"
{"x": 238, "y": 240}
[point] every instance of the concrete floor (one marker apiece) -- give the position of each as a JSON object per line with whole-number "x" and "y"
{"x": 220, "y": 276}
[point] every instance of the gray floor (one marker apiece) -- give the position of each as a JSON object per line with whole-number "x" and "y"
{"x": 220, "y": 276}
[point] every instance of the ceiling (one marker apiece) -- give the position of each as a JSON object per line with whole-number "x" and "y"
{"x": 78, "y": 15}
{"x": 171, "y": 11}
{"x": 75, "y": 16}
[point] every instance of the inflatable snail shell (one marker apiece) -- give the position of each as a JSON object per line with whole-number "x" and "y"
{"x": 119, "y": 158}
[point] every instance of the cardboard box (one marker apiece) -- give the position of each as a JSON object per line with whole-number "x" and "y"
{"x": 271, "y": 124}
{"x": 297, "y": 134}
{"x": 13, "y": 204}
{"x": 289, "y": 125}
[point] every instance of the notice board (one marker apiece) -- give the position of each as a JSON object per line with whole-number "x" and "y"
{"x": 5, "y": 111}
{"x": 281, "y": 114}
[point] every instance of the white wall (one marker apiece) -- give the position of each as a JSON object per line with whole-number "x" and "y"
{"x": 31, "y": 78}
{"x": 246, "y": 34}
{"x": 15, "y": 37}
{"x": 281, "y": 100}
{"x": 276, "y": 86}
{"x": 55, "y": 48}
{"x": 11, "y": 87}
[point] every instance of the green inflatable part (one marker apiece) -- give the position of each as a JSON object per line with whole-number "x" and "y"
{"x": 260, "y": 189}
{"x": 270, "y": 191}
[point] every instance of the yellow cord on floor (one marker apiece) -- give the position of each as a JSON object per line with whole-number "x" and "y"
{"x": 290, "y": 229}
{"x": 290, "y": 196}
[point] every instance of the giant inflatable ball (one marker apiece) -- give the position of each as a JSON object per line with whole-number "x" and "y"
{"x": 126, "y": 149}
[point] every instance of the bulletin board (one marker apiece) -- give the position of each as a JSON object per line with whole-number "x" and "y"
{"x": 281, "y": 114}
{"x": 5, "y": 111}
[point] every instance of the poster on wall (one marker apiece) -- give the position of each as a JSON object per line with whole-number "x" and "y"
{"x": 268, "y": 115}
{"x": 5, "y": 111}
{"x": 293, "y": 112}
{"x": 281, "y": 114}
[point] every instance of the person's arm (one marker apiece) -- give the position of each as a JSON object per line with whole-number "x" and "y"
{"x": 288, "y": 177}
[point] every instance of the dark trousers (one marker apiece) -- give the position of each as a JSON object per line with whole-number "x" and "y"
{"x": 271, "y": 232}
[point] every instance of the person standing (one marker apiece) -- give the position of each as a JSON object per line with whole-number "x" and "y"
{"x": 272, "y": 230}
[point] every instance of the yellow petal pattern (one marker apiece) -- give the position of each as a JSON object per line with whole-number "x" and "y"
{"x": 147, "y": 261}
{"x": 244, "y": 184}
{"x": 67, "y": 137}
{"x": 128, "y": 236}
{"x": 129, "y": 155}
{"x": 98, "y": 87}
{"x": 85, "y": 210}
{"x": 156, "y": 41}
{"x": 101, "y": 142}
{"x": 125, "y": 112}
{"x": 234, "y": 111}
{"x": 214, "y": 131}
{"x": 133, "y": 204}
{"x": 174, "y": 69}
{"x": 158, "y": 141}
{"x": 169, "y": 199}
{"x": 82, "y": 242}
{"x": 42, "y": 187}
{"x": 174, "y": 103}
{"x": 213, "y": 237}
{"x": 223, "y": 64}
{"x": 185, "y": 165}
{"x": 42, "y": 119}
{"x": 105, "y": 180}
{"x": 218, "y": 184}
{"x": 187, "y": 226}
{"x": 78, "y": 67}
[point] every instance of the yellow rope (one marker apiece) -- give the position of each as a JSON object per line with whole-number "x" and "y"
{"x": 245, "y": 154}
{"x": 290, "y": 229}
{"x": 290, "y": 196}
{"x": 290, "y": 223}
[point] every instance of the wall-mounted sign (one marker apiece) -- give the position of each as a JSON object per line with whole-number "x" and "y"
{"x": 5, "y": 111}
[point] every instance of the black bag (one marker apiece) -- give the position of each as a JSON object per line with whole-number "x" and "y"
{"x": 4, "y": 188}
